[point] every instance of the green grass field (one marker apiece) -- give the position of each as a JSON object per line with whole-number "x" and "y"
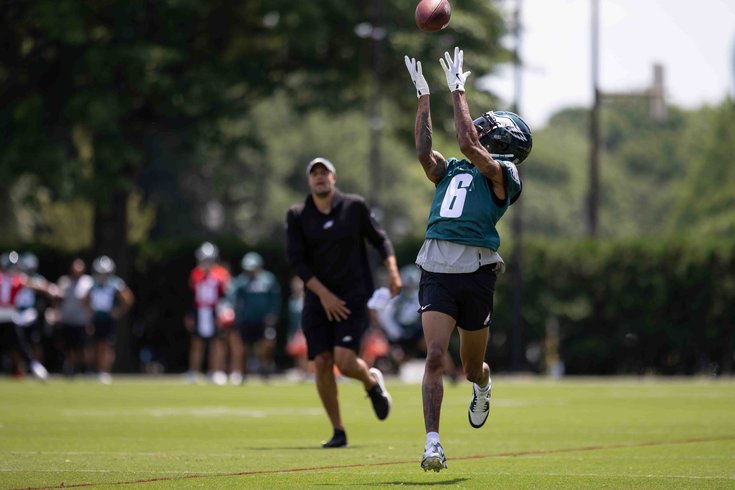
{"x": 161, "y": 433}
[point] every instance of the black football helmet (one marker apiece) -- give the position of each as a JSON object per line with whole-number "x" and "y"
{"x": 505, "y": 135}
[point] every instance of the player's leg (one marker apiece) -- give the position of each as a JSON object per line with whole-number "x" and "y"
{"x": 319, "y": 335}
{"x": 196, "y": 355}
{"x": 472, "y": 350}
{"x": 24, "y": 349}
{"x": 105, "y": 349}
{"x": 437, "y": 297}
{"x": 438, "y": 329}
{"x": 347, "y": 336}
{"x": 262, "y": 338}
{"x": 352, "y": 366}
{"x": 237, "y": 354}
{"x": 476, "y": 310}
{"x": 217, "y": 349}
{"x": 71, "y": 341}
{"x": 472, "y": 347}
{"x": 326, "y": 386}
{"x": 104, "y": 355}
{"x": 267, "y": 349}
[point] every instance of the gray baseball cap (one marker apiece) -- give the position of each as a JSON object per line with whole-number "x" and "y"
{"x": 319, "y": 160}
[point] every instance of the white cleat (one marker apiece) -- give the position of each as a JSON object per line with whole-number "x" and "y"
{"x": 434, "y": 458}
{"x": 39, "y": 371}
{"x": 219, "y": 378}
{"x": 479, "y": 406}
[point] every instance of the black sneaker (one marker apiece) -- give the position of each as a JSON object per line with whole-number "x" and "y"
{"x": 379, "y": 395}
{"x": 339, "y": 439}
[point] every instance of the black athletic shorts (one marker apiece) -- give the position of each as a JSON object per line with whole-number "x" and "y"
{"x": 104, "y": 330}
{"x": 252, "y": 333}
{"x": 73, "y": 336}
{"x": 468, "y": 298}
{"x": 323, "y": 335}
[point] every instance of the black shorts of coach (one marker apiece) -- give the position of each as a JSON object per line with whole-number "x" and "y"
{"x": 466, "y": 297}
{"x": 323, "y": 335}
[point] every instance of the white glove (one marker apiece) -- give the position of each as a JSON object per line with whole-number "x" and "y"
{"x": 417, "y": 76}
{"x": 453, "y": 70}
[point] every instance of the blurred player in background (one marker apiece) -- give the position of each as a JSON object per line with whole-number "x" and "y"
{"x": 256, "y": 297}
{"x": 31, "y": 303}
{"x": 72, "y": 318}
{"x": 12, "y": 337}
{"x": 459, "y": 258}
{"x": 108, "y": 300}
{"x": 296, "y": 342}
{"x": 326, "y": 247}
{"x": 208, "y": 282}
{"x": 401, "y": 321}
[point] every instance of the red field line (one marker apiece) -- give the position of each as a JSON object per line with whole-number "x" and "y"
{"x": 389, "y": 463}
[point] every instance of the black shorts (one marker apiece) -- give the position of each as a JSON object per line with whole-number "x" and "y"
{"x": 468, "y": 298}
{"x": 104, "y": 330}
{"x": 323, "y": 335}
{"x": 73, "y": 336}
{"x": 8, "y": 338}
{"x": 252, "y": 333}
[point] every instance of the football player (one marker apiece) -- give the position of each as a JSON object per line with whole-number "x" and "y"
{"x": 459, "y": 257}
{"x": 12, "y": 282}
{"x": 256, "y": 298}
{"x": 208, "y": 282}
{"x": 108, "y": 300}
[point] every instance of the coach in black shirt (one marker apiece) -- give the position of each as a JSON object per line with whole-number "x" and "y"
{"x": 326, "y": 246}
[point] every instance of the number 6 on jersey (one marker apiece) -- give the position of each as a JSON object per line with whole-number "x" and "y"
{"x": 453, "y": 202}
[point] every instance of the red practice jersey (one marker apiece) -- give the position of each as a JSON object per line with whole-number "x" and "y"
{"x": 208, "y": 286}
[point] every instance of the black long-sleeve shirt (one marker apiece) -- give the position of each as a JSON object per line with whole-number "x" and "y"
{"x": 332, "y": 246}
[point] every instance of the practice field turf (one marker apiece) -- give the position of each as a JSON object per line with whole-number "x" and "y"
{"x": 162, "y": 433}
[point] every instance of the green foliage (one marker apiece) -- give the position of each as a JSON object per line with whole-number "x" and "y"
{"x": 631, "y": 306}
{"x": 656, "y": 176}
{"x": 100, "y": 98}
{"x": 554, "y": 179}
{"x": 706, "y": 204}
{"x": 187, "y": 103}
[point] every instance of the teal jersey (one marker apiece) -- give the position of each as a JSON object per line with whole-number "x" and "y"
{"x": 464, "y": 209}
{"x": 255, "y": 298}
{"x": 103, "y": 297}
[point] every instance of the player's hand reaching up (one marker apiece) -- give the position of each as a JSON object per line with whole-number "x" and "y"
{"x": 417, "y": 76}
{"x": 453, "y": 70}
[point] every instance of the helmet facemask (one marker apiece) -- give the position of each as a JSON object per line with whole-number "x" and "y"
{"x": 505, "y": 135}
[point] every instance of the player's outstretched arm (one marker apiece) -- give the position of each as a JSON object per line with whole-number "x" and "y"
{"x": 432, "y": 161}
{"x": 467, "y": 138}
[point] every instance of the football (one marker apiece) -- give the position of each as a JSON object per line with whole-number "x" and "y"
{"x": 433, "y": 15}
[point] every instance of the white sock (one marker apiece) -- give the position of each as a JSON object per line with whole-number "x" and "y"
{"x": 432, "y": 438}
{"x": 486, "y": 388}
